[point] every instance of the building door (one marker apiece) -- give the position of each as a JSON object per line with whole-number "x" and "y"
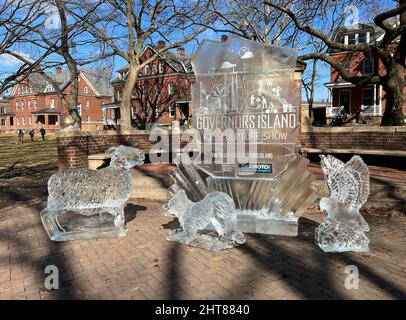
{"x": 345, "y": 100}
{"x": 184, "y": 108}
{"x": 11, "y": 121}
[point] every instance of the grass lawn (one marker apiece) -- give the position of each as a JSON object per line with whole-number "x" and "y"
{"x": 25, "y": 168}
{"x": 28, "y": 154}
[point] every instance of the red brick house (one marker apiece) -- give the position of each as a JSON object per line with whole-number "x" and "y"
{"x": 351, "y": 97}
{"x": 162, "y": 91}
{"x": 34, "y": 103}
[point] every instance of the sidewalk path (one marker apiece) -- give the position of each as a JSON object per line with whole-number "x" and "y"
{"x": 144, "y": 265}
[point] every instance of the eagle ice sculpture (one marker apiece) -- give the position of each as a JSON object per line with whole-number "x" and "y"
{"x": 344, "y": 228}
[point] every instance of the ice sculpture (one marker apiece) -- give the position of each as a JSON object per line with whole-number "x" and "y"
{"x": 344, "y": 228}
{"x": 84, "y": 203}
{"x": 246, "y": 108}
{"x": 216, "y": 209}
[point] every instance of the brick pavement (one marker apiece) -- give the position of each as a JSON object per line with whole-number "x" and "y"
{"x": 144, "y": 265}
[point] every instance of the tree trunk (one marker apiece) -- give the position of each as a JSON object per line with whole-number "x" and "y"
{"x": 393, "y": 115}
{"x": 126, "y": 97}
{"x": 311, "y": 99}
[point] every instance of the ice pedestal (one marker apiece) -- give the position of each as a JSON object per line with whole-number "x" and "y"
{"x": 251, "y": 223}
{"x": 70, "y": 225}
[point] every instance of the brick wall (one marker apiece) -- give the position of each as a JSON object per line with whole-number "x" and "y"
{"x": 74, "y": 147}
{"x": 354, "y": 138}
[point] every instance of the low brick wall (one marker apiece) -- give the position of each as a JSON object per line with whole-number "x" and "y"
{"x": 74, "y": 147}
{"x": 363, "y": 138}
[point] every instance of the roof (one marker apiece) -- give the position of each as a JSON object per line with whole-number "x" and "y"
{"x": 39, "y": 83}
{"x": 377, "y": 32}
{"x": 181, "y": 63}
{"x": 100, "y": 82}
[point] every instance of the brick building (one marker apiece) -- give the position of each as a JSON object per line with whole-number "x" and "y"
{"x": 5, "y": 114}
{"x": 346, "y": 94}
{"x": 34, "y": 103}
{"x": 161, "y": 94}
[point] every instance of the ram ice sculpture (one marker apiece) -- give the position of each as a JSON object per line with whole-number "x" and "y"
{"x": 85, "y": 200}
{"x": 216, "y": 209}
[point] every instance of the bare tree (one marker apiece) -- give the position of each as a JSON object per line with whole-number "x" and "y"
{"x": 265, "y": 23}
{"x": 128, "y": 25}
{"x": 17, "y": 20}
{"x": 45, "y": 30}
{"x": 392, "y": 57}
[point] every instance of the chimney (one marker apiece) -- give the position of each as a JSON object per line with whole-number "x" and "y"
{"x": 58, "y": 69}
{"x": 224, "y": 38}
{"x": 180, "y": 51}
{"x": 160, "y": 44}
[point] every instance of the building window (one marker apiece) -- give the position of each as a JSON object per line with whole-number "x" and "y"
{"x": 52, "y": 103}
{"x": 158, "y": 89}
{"x": 145, "y": 90}
{"x": 85, "y": 89}
{"x": 172, "y": 109}
{"x": 30, "y": 121}
{"x": 35, "y": 105}
{"x": 49, "y": 88}
{"x": 157, "y": 111}
{"x": 132, "y": 113}
{"x": 2, "y": 110}
{"x": 352, "y": 38}
{"x": 368, "y": 97}
{"x": 118, "y": 95}
{"x": 23, "y": 120}
{"x": 161, "y": 67}
{"x": 346, "y": 64}
{"x": 22, "y": 105}
{"x": 368, "y": 65}
{"x": 171, "y": 88}
{"x": 146, "y": 70}
{"x": 154, "y": 69}
{"x": 87, "y": 118}
{"x": 29, "y": 105}
{"x": 87, "y": 103}
{"x": 16, "y": 105}
{"x": 19, "y": 90}
{"x": 362, "y": 37}
{"x": 79, "y": 108}
{"x": 3, "y": 122}
{"x": 18, "y": 121}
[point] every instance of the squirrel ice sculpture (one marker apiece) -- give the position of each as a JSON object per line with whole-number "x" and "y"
{"x": 216, "y": 208}
{"x": 344, "y": 228}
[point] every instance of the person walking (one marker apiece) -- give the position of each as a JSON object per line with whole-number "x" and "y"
{"x": 43, "y": 132}
{"x": 21, "y": 135}
{"x": 31, "y": 133}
